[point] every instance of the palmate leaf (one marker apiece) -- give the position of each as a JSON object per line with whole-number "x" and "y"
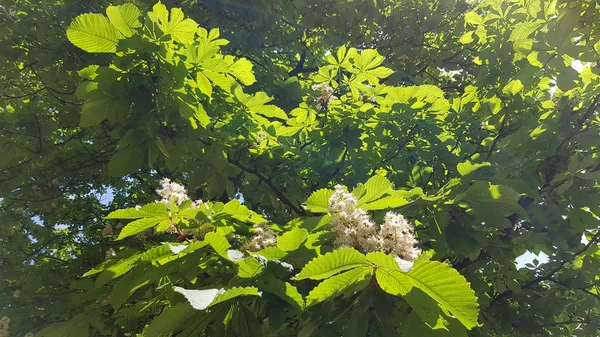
{"x": 125, "y": 18}
{"x": 336, "y": 285}
{"x": 332, "y": 263}
{"x": 182, "y": 30}
{"x": 93, "y": 33}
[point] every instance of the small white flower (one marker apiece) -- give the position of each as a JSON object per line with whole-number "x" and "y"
{"x": 110, "y": 253}
{"x": 326, "y": 95}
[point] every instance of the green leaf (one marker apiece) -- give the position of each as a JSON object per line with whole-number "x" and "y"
{"x": 249, "y": 267}
{"x": 513, "y": 87}
{"x": 242, "y": 70}
{"x": 318, "y": 202}
{"x": 182, "y": 30}
{"x": 492, "y": 203}
{"x": 382, "y": 259}
{"x": 467, "y": 167}
{"x": 427, "y": 309}
{"x": 291, "y": 240}
{"x": 332, "y": 263}
{"x": 244, "y": 323}
{"x": 127, "y": 285}
{"x": 90, "y": 72}
{"x": 138, "y": 226}
{"x": 414, "y": 326}
{"x": 271, "y": 253}
{"x": 235, "y": 292}
{"x": 149, "y": 210}
{"x": 269, "y": 111}
{"x": 125, "y": 18}
{"x": 283, "y": 290}
{"x": 199, "y": 299}
{"x": 473, "y": 18}
{"x": 466, "y": 38}
{"x": 169, "y": 320}
{"x": 449, "y": 288}
{"x": 204, "y": 84}
{"x": 218, "y": 242}
{"x": 114, "y": 271}
{"x": 395, "y": 199}
{"x": 93, "y": 33}
{"x": 523, "y": 30}
{"x": 376, "y": 187}
{"x": 335, "y": 286}
{"x": 393, "y": 281}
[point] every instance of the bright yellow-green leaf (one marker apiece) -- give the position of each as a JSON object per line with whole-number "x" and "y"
{"x": 93, "y": 33}
{"x": 125, "y": 18}
{"x": 332, "y": 263}
{"x": 513, "y": 87}
{"x": 473, "y": 18}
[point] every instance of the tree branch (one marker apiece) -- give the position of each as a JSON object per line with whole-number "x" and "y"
{"x": 269, "y": 183}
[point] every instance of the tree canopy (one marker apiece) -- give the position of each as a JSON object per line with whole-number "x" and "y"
{"x": 299, "y": 168}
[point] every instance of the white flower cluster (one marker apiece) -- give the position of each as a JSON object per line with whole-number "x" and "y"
{"x": 326, "y": 96}
{"x": 171, "y": 191}
{"x": 263, "y": 237}
{"x": 398, "y": 237}
{"x": 354, "y": 228}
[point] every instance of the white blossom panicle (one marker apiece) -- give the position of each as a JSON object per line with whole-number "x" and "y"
{"x": 398, "y": 237}
{"x": 171, "y": 191}
{"x": 110, "y": 253}
{"x": 4, "y": 325}
{"x": 326, "y": 96}
{"x": 263, "y": 237}
{"x": 354, "y": 228}
{"x": 352, "y": 224}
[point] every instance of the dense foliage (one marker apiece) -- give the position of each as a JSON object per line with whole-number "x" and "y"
{"x": 311, "y": 168}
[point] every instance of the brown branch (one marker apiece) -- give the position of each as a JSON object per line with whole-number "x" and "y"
{"x": 269, "y": 183}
